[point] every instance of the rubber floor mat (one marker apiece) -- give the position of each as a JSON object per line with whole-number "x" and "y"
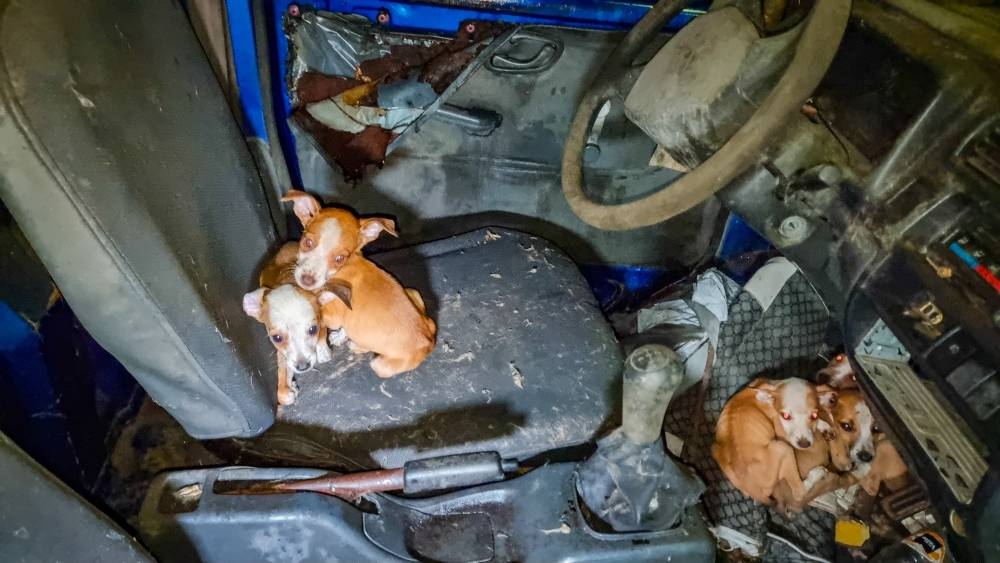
{"x": 785, "y": 340}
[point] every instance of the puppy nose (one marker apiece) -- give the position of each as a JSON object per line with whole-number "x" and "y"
{"x": 804, "y": 443}
{"x": 865, "y": 456}
{"x": 308, "y": 280}
{"x": 302, "y": 365}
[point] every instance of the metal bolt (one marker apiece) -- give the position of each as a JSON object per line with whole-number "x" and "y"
{"x": 591, "y": 152}
{"x": 954, "y": 349}
{"x": 294, "y": 11}
{"x": 794, "y": 228}
{"x": 829, "y": 174}
{"x": 383, "y": 16}
{"x": 470, "y": 28}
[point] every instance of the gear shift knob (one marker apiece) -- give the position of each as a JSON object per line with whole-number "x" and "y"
{"x": 629, "y": 483}
{"x": 652, "y": 374}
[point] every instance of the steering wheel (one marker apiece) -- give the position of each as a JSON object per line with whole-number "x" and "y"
{"x": 821, "y": 34}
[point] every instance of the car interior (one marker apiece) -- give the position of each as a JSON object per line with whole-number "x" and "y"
{"x": 622, "y": 218}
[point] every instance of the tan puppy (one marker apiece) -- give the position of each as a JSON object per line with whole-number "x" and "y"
{"x": 383, "y": 318}
{"x": 758, "y": 432}
{"x": 293, "y": 320}
{"x": 838, "y": 467}
{"x": 860, "y": 443}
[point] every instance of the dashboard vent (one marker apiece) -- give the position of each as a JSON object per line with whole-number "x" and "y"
{"x": 982, "y": 152}
{"x": 957, "y": 459}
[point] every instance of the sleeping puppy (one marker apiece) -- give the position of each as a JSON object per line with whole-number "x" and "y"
{"x": 293, "y": 319}
{"x": 760, "y": 430}
{"x": 860, "y": 443}
{"x": 384, "y": 317}
{"x": 828, "y": 453}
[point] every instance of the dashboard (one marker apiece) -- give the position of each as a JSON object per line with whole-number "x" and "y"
{"x": 902, "y": 239}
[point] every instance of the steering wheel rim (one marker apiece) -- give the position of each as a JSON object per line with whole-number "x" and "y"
{"x": 823, "y": 30}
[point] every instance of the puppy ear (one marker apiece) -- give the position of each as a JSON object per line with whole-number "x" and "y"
{"x": 372, "y": 227}
{"x": 336, "y": 289}
{"x": 827, "y": 396}
{"x": 765, "y": 390}
{"x": 253, "y": 303}
{"x": 765, "y": 396}
{"x": 304, "y": 205}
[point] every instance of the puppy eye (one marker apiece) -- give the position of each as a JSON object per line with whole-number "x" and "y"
{"x": 876, "y": 429}
{"x": 847, "y": 426}
{"x": 786, "y": 415}
{"x": 308, "y": 243}
{"x": 313, "y": 330}
{"x": 276, "y": 338}
{"x": 814, "y": 415}
{"x": 340, "y": 259}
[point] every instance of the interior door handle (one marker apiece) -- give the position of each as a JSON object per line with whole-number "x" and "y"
{"x": 545, "y": 51}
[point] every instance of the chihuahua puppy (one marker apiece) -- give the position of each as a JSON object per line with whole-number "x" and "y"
{"x": 758, "y": 433}
{"x": 860, "y": 444}
{"x": 293, "y": 320}
{"x": 827, "y": 454}
{"x": 384, "y": 318}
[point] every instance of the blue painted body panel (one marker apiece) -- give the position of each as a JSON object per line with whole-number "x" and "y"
{"x": 61, "y": 394}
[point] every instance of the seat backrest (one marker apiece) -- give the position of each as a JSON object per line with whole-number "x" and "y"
{"x": 123, "y": 165}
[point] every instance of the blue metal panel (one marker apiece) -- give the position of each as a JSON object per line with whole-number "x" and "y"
{"x": 409, "y": 16}
{"x": 61, "y": 393}
{"x": 32, "y": 416}
{"x": 742, "y": 249}
{"x": 245, "y": 64}
{"x": 621, "y": 287}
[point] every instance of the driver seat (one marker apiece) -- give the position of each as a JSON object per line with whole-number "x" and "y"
{"x": 127, "y": 172}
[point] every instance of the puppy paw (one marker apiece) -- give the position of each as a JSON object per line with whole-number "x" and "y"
{"x": 287, "y": 396}
{"x": 323, "y": 353}
{"x": 814, "y": 476}
{"x": 337, "y": 337}
{"x": 355, "y": 349}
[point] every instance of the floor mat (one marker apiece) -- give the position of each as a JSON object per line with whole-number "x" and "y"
{"x": 782, "y": 341}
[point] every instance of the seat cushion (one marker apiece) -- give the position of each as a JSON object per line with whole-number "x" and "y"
{"x": 525, "y": 362}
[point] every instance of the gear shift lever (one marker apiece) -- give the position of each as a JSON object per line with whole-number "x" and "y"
{"x": 652, "y": 374}
{"x": 630, "y": 483}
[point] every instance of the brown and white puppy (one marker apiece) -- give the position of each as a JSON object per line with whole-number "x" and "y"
{"x": 835, "y": 469}
{"x": 860, "y": 443}
{"x": 758, "y": 433}
{"x": 384, "y": 318}
{"x": 293, "y": 319}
